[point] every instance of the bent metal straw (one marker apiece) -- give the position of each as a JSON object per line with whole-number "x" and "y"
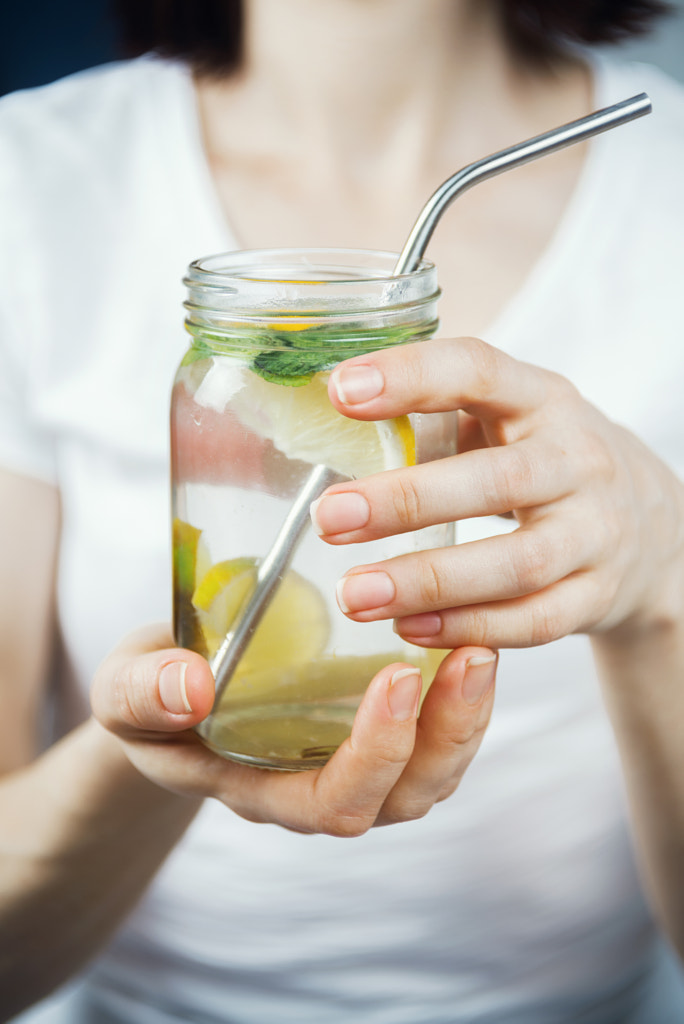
{"x": 271, "y": 571}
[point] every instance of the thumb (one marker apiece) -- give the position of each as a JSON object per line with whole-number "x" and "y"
{"x": 146, "y": 685}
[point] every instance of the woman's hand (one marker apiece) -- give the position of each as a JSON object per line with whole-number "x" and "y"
{"x": 600, "y": 536}
{"x": 394, "y": 767}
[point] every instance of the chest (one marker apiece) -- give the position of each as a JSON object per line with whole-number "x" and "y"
{"x": 485, "y": 245}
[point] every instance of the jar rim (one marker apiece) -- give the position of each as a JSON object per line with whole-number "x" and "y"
{"x": 220, "y": 269}
{"x": 298, "y": 287}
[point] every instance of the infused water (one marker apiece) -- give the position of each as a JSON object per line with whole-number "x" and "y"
{"x": 250, "y": 418}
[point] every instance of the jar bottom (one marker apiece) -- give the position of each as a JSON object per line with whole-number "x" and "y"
{"x": 286, "y": 737}
{"x": 295, "y": 720}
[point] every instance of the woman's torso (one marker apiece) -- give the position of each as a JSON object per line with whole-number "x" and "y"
{"x": 517, "y": 896}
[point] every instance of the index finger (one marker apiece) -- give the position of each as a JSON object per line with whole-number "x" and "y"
{"x": 437, "y": 376}
{"x": 345, "y": 797}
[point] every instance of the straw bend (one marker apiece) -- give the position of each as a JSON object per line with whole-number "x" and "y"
{"x": 278, "y": 559}
{"x": 504, "y": 160}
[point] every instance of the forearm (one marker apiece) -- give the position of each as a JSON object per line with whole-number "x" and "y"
{"x": 643, "y": 676}
{"x": 81, "y": 835}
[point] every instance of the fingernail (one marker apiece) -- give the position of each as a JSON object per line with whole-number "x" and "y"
{"x": 366, "y": 591}
{"x": 356, "y": 384}
{"x": 172, "y": 691}
{"x": 417, "y": 626}
{"x": 478, "y": 679}
{"x": 339, "y": 513}
{"x": 404, "y": 693}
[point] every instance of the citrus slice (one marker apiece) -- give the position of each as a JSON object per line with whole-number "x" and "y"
{"x": 304, "y": 425}
{"x": 185, "y": 541}
{"x": 295, "y": 627}
{"x": 190, "y": 562}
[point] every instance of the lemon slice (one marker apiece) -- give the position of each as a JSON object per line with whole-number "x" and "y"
{"x": 295, "y": 627}
{"x": 304, "y": 425}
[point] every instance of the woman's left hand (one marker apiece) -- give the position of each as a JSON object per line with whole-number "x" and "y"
{"x": 394, "y": 766}
{"x": 600, "y": 518}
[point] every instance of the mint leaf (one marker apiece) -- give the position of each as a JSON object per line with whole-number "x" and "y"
{"x": 290, "y": 367}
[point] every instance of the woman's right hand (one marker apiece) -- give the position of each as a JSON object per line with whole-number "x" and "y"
{"x": 394, "y": 767}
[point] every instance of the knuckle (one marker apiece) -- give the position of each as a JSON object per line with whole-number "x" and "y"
{"x": 483, "y": 362}
{"x": 603, "y": 594}
{"x": 407, "y": 807}
{"x": 465, "y": 733}
{"x": 560, "y": 388}
{"x": 433, "y": 585}
{"x": 463, "y": 740}
{"x": 604, "y": 541}
{"x": 448, "y": 791}
{"x": 547, "y": 624}
{"x": 603, "y": 609}
{"x": 478, "y": 626}
{"x": 343, "y": 826}
{"x": 519, "y": 477}
{"x": 447, "y": 745}
{"x": 390, "y": 759}
{"x": 129, "y": 704}
{"x": 406, "y": 502}
{"x": 452, "y": 783}
{"x": 597, "y": 460}
{"x": 532, "y": 566}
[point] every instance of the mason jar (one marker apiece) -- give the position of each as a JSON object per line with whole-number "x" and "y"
{"x": 250, "y": 422}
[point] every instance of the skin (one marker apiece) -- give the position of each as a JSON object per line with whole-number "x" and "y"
{"x": 536, "y": 448}
{"x": 351, "y": 162}
{"x": 599, "y": 550}
{"x": 379, "y": 141}
{"x": 133, "y": 776}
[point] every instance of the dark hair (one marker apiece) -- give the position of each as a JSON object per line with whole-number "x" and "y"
{"x": 544, "y": 28}
{"x": 208, "y": 33}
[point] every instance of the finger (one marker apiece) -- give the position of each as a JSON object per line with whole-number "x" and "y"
{"x": 345, "y": 797}
{"x": 528, "y": 560}
{"x": 451, "y": 725}
{"x": 489, "y": 481}
{"x": 148, "y": 686}
{"x": 438, "y": 376}
{"x": 571, "y": 606}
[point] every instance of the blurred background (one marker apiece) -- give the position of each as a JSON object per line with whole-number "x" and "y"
{"x": 45, "y": 40}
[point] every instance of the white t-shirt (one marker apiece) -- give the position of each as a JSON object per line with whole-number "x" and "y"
{"x": 517, "y": 900}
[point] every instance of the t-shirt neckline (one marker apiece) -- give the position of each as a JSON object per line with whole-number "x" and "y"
{"x": 553, "y": 264}
{"x": 580, "y": 215}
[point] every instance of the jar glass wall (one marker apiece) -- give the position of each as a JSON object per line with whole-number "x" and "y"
{"x": 250, "y": 418}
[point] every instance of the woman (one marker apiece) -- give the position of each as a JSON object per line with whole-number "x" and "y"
{"x": 517, "y": 899}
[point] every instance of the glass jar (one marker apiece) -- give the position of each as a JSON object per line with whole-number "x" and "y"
{"x": 250, "y": 418}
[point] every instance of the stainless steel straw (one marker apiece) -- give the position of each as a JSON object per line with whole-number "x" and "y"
{"x": 276, "y": 562}
{"x": 270, "y": 573}
{"x": 506, "y": 159}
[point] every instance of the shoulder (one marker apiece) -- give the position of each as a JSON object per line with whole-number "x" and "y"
{"x": 79, "y": 101}
{"x": 629, "y": 77}
{"x": 84, "y": 201}
{"x": 649, "y": 141}
{"x": 638, "y": 198}
{"x": 78, "y": 126}
{"x": 78, "y": 157}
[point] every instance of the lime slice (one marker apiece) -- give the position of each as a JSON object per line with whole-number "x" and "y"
{"x": 295, "y": 627}
{"x": 190, "y": 563}
{"x": 185, "y": 540}
{"x": 304, "y": 425}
